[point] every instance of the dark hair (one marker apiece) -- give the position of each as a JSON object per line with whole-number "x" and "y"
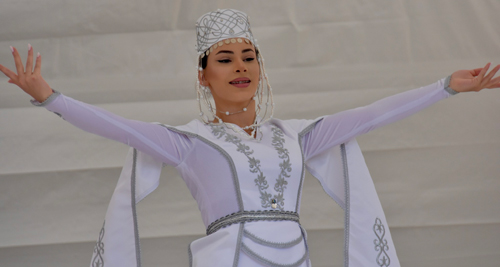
{"x": 203, "y": 61}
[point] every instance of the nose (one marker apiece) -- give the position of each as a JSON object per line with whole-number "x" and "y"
{"x": 240, "y": 66}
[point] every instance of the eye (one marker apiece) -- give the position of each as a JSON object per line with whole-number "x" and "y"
{"x": 249, "y": 59}
{"x": 224, "y": 61}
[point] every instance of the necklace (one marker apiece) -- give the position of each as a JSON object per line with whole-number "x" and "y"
{"x": 237, "y": 112}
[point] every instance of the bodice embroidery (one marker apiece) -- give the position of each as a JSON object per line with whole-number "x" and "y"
{"x": 276, "y": 201}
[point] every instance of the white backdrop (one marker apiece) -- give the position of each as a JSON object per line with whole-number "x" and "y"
{"x": 436, "y": 172}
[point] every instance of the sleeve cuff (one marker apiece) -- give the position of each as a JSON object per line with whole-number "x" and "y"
{"x": 47, "y": 101}
{"x": 447, "y": 86}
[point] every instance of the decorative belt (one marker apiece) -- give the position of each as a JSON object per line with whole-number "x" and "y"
{"x": 250, "y": 216}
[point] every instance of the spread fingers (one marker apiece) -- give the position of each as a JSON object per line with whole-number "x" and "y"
{"x": 494, "y": 83}
{"x": 490, "y": 75}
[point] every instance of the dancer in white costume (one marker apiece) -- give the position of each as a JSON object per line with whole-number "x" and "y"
{"x": 245, "y": 168}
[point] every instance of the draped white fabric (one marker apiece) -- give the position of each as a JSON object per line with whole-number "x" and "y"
{"x": 439, "y": 169}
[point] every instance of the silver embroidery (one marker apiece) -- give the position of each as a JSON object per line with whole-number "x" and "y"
{"x": 381, "y": 244}
{"x": 98, "y": 260}
{"x": 254, "y": 164}
{"x": 285, "y": 166}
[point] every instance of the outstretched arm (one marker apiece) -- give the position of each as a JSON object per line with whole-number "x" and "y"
{"x": 158, "y": 141}
{"x": 338, "y": 128}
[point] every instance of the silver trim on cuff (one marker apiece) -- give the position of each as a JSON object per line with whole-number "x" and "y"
{"x": 47, "y": 101}
{"x": 447, "y": 86}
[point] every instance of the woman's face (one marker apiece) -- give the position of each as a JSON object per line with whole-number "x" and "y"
{"x": 232, "y": 73}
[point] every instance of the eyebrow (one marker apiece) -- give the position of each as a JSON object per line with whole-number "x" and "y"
{"x": 231, "y": 52}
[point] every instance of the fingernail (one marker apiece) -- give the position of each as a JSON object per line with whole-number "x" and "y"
{"x": 12, "y": 49}
{"x": 29, "y": 47}
{"x": 38, "y": 54}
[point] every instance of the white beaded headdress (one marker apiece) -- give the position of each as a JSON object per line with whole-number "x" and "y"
{"x": 219, "y": 28}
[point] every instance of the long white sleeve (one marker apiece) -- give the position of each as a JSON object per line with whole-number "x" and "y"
{"x": 338, "y": 128}
{"x": 153, "y": 139}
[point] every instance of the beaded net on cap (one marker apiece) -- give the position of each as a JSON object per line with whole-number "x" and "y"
{"x": 223, "y": 27}
{"x": 219, "y": 25}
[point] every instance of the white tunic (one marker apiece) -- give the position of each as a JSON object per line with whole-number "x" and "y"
{"x": 228, "y": 173}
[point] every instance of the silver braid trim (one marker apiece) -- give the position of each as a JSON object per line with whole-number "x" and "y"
{"x": 447, "y": 86}
{"x": 251, "y": 216}
{"x": 271, "y": 244}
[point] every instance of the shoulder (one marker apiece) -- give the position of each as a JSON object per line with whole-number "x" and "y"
{"x": 299, "y": 126}
{"x": 192, "y": 128}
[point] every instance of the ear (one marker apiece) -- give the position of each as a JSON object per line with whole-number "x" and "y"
{"x": 201, "y": 78}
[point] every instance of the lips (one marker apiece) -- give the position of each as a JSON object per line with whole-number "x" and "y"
{"x": 240, "y": 82}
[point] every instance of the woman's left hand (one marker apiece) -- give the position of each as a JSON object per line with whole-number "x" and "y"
{"x": 475, "y": 80}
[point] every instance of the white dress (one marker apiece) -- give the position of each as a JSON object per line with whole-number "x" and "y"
{"x": 228, "y": 173}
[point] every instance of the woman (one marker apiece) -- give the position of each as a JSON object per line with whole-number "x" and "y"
{"x": 244, "y": 168}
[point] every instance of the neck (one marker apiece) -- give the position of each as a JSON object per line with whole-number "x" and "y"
{"x": 242, "y": 119}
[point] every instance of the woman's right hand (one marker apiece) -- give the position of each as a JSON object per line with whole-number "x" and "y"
{"x": 31, "y": 81}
